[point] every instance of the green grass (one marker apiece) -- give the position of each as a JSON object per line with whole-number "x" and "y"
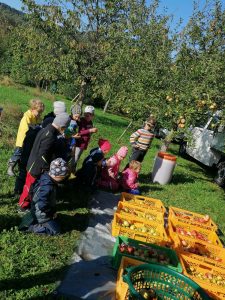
{"x": 30, "y": 265}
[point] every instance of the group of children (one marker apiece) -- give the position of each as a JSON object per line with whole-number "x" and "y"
{"x": 48, "y": 151}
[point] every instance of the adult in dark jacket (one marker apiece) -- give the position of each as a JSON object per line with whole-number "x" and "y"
{"x": 42, "y": 153}
{"x": 42, "y": 216}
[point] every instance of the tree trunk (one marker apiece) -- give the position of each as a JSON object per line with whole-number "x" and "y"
{"x": 82, "y": 93}
{"x": 105, "y": 107}
{"x": 167, "y": 141}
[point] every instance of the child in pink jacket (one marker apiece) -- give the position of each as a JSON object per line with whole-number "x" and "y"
{"x": 129, "y": 178}
{"x": 109, "y": 174}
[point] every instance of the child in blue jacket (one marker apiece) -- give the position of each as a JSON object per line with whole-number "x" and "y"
{"x": 42, "y": 217}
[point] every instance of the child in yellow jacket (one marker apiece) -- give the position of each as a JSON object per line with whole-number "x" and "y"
{"x": 30, "y": 117}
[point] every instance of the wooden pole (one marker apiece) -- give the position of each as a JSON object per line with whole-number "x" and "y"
{"x": 124, "y": 131}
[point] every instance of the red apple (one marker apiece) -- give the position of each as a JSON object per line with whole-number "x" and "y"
{"x": 130, "y": 249}
{"x": 122, "y": 248}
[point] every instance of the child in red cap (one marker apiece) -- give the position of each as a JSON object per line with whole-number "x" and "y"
{"x": 104, "y": 148}
{"x": 109, "y": 176}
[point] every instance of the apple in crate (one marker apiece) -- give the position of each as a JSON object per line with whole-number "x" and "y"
{"x": 130, "y": 249}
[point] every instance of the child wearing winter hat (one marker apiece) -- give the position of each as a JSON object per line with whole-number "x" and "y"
{"x": 109, "y": 175}
{"x": 31, "y": 117}
{"x": 85, "y": 130}
{"x": 104, "y": 148}
{"x": 58, "y": 108}
{"x": 42, "y": 216}
{"x": 76, "y": 112}
{"x": 129, "y": 178}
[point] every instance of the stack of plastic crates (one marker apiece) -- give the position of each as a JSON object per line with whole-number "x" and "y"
{"x": 209, "y": 277}
{"x": 142, "y": 213}
{"x": 192, "y": 218}
{"x": 147, "y": 253}
{"x": 141, "y": 218}
{"x": 167, "y": 284}
{"x": 145, "y": 231}
{"x": 144, "y": 202}
{"x": 178, "y": 230}
{"x": 202, "y": 251}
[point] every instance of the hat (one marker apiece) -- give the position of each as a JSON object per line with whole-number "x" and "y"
{"x": 62, "y": 120}
{"x": 76, "y": 109}
{"x": 59, "y": 107}
{"x": 97, "y": 157}
{"x": 58, "y": 167}
{"x": 104, "y": 145}
{"x": 122, "y": 151}
{"x": 89, "y": 109}
{"x": 70, "y": 130}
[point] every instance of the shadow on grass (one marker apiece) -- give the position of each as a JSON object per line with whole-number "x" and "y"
{"x": 32, "y": 281}
{"x": 198, "y": 167}
{"x": 77, "y": 222}
{"x": 181, "y": 178}
{"x": 52, "y": 296}
{"x": 147, "y": 189}
{"x": 70, "y": 196}
{"x": 6, "y": 196}
{"x": 9, "y": 221}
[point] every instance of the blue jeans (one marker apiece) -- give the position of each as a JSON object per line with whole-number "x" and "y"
{"x": 48, "y": 228}
{"x": 16, "y": 155}
{"x": 134, "y": 192}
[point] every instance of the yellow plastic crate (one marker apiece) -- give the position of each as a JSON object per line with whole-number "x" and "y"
{"x": 192, "y": 218}
{"x": 149, "y": 232}
{"x": 121, "y": 286}
{"x": 180, "y": 229}
{"x": 143, "y": 214}
{"x": 144, "y": 202}
{"x": 200, "y": 250}
{"x": 208, "y": 277}
{"x": 215, "y": 295}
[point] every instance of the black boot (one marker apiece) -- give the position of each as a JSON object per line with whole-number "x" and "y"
{"x": 11, "y": 166}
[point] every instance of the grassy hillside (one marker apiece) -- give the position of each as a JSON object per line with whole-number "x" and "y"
{"x": 10, "y": 16}
{"x": 31, "y": 265}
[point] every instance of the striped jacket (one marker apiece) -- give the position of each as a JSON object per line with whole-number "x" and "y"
{"x": 141, "y": 139}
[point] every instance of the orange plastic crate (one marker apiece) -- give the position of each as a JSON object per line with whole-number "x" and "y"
{"x": 191, "y": 218}
{"x": 208, "y": 277}
{"x": 143, "y": 214}
{"x": 121, "y": 286}
{"x": 152, "y": 233}
{"x": 144, "y": 202}
{"x": 198, "y": 234}
{"x": 216, "y": 296}
{"x": 200, "y": 250}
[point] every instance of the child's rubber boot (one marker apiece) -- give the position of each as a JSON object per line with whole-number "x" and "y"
{"x": 11, "y": 166}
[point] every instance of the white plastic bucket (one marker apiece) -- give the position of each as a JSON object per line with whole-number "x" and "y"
{"x": 163, "y": 168}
